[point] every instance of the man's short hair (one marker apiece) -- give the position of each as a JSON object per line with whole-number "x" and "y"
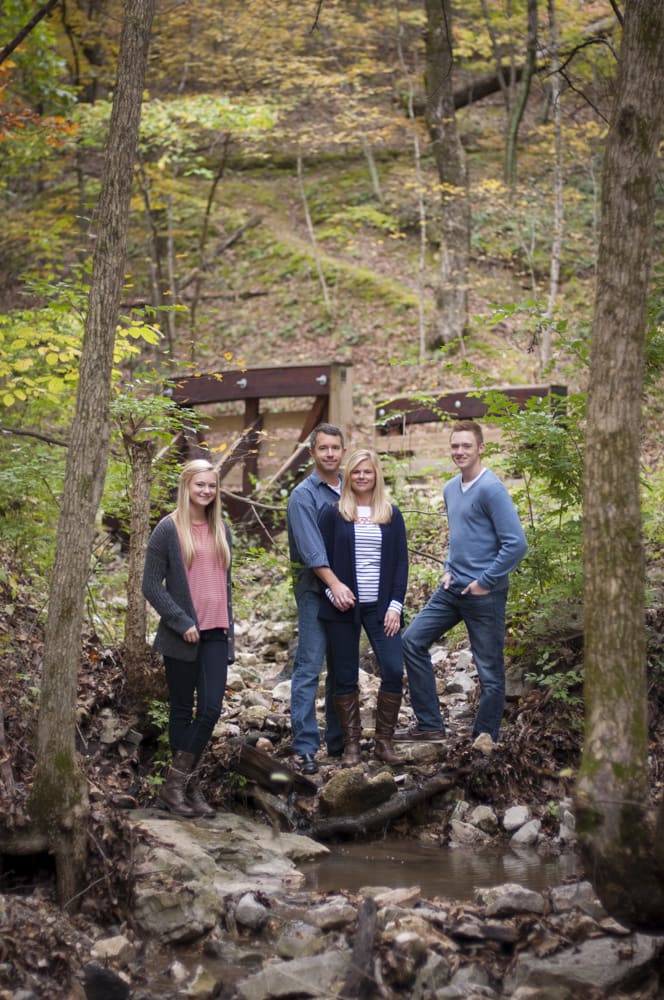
{"x": 468, "y": 425}
{"x": 330, "y": 429}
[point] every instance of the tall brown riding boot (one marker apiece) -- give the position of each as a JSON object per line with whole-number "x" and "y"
{"x": 172, "y": 794}
{"x": 348, "y": 712}
{"x": 195, "y": 799}
{"x": 387, "y": 714}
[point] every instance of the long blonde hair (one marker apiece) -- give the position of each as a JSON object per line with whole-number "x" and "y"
{"x": 182, "y": 514}
{"x": 380, "y": 505}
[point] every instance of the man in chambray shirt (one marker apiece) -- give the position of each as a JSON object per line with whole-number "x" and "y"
{"x": 307, "y": 552}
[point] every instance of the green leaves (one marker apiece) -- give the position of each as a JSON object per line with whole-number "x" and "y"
{"x": 40, "y": 352}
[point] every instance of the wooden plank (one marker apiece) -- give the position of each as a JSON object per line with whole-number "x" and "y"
{"x": 394, "y": 414}
{"x": 288, "y": 422}
{"x": 253, "y": 383}
{"x": 318, "y": 414}
{"x": 340, "y": 410}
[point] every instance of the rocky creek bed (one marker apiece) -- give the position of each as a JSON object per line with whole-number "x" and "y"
{"x": 220, "y": 908}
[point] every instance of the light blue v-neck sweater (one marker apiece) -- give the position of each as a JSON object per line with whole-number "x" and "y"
{"x": 486, "y": 540}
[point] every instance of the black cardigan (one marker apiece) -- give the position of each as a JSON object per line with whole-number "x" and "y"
{"x": 339, "y": 538}
{"x": 166, "y": 588}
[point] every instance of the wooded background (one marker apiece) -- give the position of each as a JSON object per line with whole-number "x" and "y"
{"x": 413, "y": 188}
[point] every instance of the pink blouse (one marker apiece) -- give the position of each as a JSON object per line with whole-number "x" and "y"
{"x": 207, "y": 582}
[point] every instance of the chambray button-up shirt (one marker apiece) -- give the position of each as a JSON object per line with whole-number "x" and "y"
{"x": 305, "y": 543}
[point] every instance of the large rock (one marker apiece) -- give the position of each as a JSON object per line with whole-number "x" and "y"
{"x": 515, "y": 817}
{"x": 431, "y": 977}
{"x": 299, "y": 940}
{"x": 509, "y": 898}
{"x": 334, "y": 914}
{"x": 598, "y": 963}
{"x": 176, "y": 912}
{"x": 527, "y": 834}
{"x": 315, "y": 976}
{"x": 579, "y": 895}
{"x": 186, "y": 870}
{"x": 350, "y": 792}
{"x": 465, "y": 833}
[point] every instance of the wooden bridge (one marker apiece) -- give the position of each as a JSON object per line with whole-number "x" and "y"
{"x": 253, "y": 446}
{"x": 249, "y": 438}
{"x": 395, "y": 415}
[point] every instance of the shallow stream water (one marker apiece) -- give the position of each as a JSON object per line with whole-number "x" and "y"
{"x": 450, "y": 872}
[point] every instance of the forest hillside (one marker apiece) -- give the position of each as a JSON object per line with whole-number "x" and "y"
{"x": 410, "y": 190}
{"x": 290, "y": 206}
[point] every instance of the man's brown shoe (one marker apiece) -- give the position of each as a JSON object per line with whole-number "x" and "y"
{"x": 415, "y": 735}
{"x": 485, "y": 744}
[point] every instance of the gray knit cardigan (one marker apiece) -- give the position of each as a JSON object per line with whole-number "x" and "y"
{"x": 165, "y": 587}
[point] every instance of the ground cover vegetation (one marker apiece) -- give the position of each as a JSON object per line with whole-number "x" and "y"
{"x": 288, "y": 207}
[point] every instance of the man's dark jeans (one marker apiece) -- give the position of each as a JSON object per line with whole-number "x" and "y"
{"x": 307, "y": 665}
{"x": 484, "y": 617}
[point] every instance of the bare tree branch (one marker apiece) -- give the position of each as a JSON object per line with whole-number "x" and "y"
{"x": 26, "y": 29}
{"x": 319, "y": 8}
{"x": 25, "y": 432}
{"x": 617, "y": 11}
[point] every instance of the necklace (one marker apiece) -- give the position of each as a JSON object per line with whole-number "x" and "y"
{"x": 363, "y": 515}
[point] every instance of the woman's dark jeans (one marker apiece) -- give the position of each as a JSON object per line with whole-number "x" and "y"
{"x": 344, "y": 652}
{"x": 203, "y": 680}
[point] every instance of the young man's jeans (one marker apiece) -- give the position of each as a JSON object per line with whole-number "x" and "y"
{"x": 206, "y": 678}
{"x": 311, "y": 646}
{"x": 484, "y": 617}
{"x": 344, "y": 651}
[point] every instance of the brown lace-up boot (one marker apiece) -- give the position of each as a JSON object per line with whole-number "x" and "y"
{"x": 387, "y": 714}
{"x": 172, "y": 794}
{"x": 195, "y": 799}
{"x": 348, "y": 712}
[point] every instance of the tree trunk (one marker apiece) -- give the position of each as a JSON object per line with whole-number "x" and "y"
{"x": 451, "y": 294}
{"x": 59, "y": 802}
{"x": 522, "y": 95}
{"x": 136, "y": 650}
{"x": 558, "y": 190}
{"x": 622, "y": 856}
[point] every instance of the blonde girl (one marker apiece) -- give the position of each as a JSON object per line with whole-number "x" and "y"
{"x": 187, "y": 580}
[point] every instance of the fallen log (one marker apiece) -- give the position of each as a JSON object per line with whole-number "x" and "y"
{"x": 274, "y": 775}
{"x": 397, "y": 805}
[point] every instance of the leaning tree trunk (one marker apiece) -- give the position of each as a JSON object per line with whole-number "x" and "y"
{"x": 59, "y": 802}
{"x": 623, "y": 858}
{"x": 136, "y": 651}
{"x": 451, "y": 294}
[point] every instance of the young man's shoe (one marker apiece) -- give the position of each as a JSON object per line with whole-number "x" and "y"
{"x": 415, "y": 735}
{"x": 307, "y": 763}
{"x": 484, "y": 743}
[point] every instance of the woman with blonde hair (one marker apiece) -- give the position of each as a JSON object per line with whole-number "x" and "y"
{"x": 187, "y": 580}
{"x": 365, "y": 540}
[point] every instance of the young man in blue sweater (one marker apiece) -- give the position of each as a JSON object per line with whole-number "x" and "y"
{"x": 486, "y": 542}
